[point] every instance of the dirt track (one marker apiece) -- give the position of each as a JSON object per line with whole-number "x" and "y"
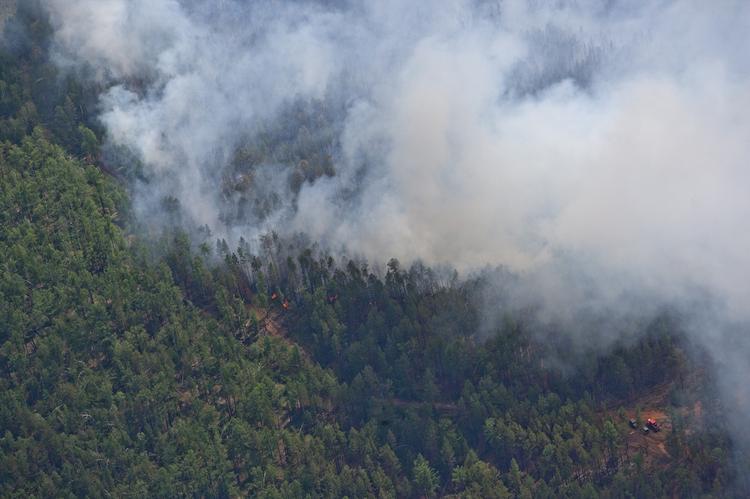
{"x": 651, "y": 445}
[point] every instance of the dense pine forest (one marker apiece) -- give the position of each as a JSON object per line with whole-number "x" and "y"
{"x": 137, "y": 364}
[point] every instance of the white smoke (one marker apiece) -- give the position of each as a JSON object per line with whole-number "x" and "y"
{"x": 615, "y": 135}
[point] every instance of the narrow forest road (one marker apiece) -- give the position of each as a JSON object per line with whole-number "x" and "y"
{"x": 271, "y": 323}
{"x": 413, "y": 404}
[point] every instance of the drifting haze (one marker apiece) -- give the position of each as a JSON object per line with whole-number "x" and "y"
{"x": 598, "y": 148}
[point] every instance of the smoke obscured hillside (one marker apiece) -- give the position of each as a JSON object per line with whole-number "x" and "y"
{"x": 598, "y": 150}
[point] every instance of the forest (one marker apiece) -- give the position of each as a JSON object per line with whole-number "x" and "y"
{"x": 137, "y": 364}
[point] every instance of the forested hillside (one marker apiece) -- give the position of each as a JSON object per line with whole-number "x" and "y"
{"x": 136, "y": 365}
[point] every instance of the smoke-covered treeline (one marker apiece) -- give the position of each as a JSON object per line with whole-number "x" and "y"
{"x": 152, "y": 366}
{"x": 597, "y": 149}
{"x": 538, "y": 125}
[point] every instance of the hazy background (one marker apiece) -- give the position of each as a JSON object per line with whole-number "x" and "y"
{"x": 597, "y": 150}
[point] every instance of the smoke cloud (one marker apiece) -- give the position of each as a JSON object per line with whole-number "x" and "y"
{"x": 598, "y": 149}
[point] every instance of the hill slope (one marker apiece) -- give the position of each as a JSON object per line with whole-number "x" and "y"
{"x": 167, "y": 368}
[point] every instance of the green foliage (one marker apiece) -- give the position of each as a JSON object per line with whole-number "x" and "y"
{"x": 183, "y": 371}
{"x": 425, "y": 478}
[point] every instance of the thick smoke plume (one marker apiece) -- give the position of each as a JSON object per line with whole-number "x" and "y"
{"x": 597, "y": 148}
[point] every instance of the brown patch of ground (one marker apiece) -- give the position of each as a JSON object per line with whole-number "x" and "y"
{"x": 651, "y": 445}
{"x": 654, "y": 405}
{"x": 698, "y": 410}
{"x": 271, "y": 323}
